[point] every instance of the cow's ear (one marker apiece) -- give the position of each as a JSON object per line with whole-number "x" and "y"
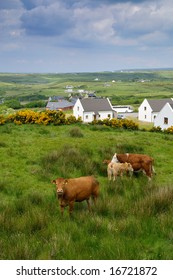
{"x": 53, "y": 181}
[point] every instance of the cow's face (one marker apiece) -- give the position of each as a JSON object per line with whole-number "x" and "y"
{"x": 60, "y": 183}
{"x": 106, "y": 161}
{"x": 129, "y": 167}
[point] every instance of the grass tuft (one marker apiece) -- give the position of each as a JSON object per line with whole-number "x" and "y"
{"x": 76, "y": 132}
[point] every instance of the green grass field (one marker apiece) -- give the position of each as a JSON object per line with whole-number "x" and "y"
{"x": 129, "y": 87}
{"x": 133, "y": 217}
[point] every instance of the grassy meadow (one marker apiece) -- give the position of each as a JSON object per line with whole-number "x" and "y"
{"x": 133, "y": 217}
{"x": 128, "y": 87}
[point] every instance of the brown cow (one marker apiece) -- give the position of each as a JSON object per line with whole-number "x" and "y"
{"x": 138, "y": 162}
{"x": 76, "y": 189}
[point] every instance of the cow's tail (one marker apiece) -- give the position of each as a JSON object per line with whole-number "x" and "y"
{"x": 153, "y": 170}
{"x": 152, "y": 167}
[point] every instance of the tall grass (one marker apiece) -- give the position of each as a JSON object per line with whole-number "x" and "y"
{"x": 132, "y": 219}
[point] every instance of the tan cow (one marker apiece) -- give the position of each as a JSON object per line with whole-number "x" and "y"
{"x": 138, "y": 162}
{"x": 76, "y": 189}
{"x": 116, "y": 168}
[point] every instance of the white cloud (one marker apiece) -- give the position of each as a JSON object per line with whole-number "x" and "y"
{"x": 101, "y": 31}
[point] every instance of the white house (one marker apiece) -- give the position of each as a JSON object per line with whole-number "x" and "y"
{"x": 123, "y": 108}
{"x": 165, "y": 118}
{"x": 149, "y": 109}
{"x": 90, "y": 109}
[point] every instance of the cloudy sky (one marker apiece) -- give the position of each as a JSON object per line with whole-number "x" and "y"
{"x": 85, "y": 35}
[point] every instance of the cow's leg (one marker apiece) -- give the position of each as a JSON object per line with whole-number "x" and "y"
{"x": 109, "y": 174}
{"x": 114, "y": 175}
{"x": 121, "y": 172}
{"x": 147, "y": 172}
{"x": 61, "y": 204}
{"x": 62, "y": 209}
{"x": 94, "y": 197}
{"x": 71, "y": 206}
{"x": 88, "y": 203}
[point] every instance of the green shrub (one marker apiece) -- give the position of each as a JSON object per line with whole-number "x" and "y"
{"x": 156, "y": 129}
{"x": 169, "y": 130}
{"x": 76, "y": 132}
{"x": 115, "y": 123}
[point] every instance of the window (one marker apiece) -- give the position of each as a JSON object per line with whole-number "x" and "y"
{"x": 78, "y": 108}
{"x": 145, "y": 116}
{"x": 145, "y": 108}
{"x": 109, "y": 115}
{"x": 165, "y": 120}
{"x": 86, "y": 117}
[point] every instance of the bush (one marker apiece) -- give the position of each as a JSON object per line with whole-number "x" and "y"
{"x": 23, "y": 117}
{"x": 13, "y": 103}
{"x": 56, "y": 117}
{"x": 2, "y": 120}
{"x": 71, "y": 119}
{"x": 115, "y": 123}
{"x": 76, "y": 132}
{"x": 169, "y": 130}
{"x": 44, "y": 117}
{"x": 36, "y": 104}
{"x": 156, "y": 129}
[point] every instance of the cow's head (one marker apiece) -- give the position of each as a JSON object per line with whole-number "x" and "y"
{"x": 60, "y": 183}
{"x": 129, "y": 166}
{"x": 106, "y": 161}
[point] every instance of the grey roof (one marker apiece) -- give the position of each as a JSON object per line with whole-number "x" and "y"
{"x": 59, "y": 105}
{"x": 157, "y": 105}
{"x": 95, "y": 104}
{"x": 73, "y": 99}
{"x": 56, "y": 98}
{"x": 171, "y": 104}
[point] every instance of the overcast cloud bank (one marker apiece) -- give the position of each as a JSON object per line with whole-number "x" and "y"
{"x": 77, "y": 36}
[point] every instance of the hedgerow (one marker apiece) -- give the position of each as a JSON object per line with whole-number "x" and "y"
{"x": 59, "y": 118}
{"x": 44, "y": 117}
{"x": 115, "y": 123}
{"x": 156, "y": 129}
{"x": 169, "y": 130}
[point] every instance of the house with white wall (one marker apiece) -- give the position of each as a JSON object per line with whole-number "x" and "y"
{"x": 165, "y": 118}
{"x": 149, "y": 109}
{"x": 90, "y": 109}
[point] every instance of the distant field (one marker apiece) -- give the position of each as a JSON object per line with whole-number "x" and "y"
{"x": 133, "y": 218}
{"x": 121, "y": 87}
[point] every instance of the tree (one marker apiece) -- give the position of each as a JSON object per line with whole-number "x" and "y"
{"x": 13, "y": 103}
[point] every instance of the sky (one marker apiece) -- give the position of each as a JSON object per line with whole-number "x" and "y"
{"x": 62, "y": 36}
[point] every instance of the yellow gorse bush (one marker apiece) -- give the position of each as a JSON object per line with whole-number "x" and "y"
{"x": 124, "y": 123}
{"x": 44, "y": 117}
{"x": 169, "y": 130}
{"x": 2, "y": 120}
